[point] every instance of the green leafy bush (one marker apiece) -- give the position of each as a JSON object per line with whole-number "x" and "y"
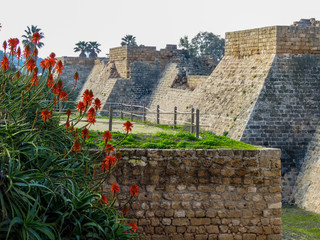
{"x": 50, "y": 187}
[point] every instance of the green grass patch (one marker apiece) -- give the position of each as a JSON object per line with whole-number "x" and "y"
{"x": 163, "y": 140}
{"x": 300, "y": 224}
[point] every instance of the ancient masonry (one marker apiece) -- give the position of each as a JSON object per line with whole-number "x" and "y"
{"x": 203, "y": 194}
{"x": 265, "y": 91}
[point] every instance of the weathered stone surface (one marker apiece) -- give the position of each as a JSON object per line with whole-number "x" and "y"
{"x": 217, "y": 210}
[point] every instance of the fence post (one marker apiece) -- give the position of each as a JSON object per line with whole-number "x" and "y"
{"x": 131, "y": 113}
{"x": 110, "y": 118}
{"x": 60, "y": 106}
{"x": 121, "y": 110}
{"x": 197, "y": 122}
{"x": 192, "y": 121}
{"x": 144, "y": 112}
{"x": 175, "y": 118}
{"x": 158, "y": 114}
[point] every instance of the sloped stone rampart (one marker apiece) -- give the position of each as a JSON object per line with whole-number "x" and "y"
{"x": 287, "y": 112}
{"x": 203, "y": 194}
{"x": 194, "y": 81}
{"x": 306, "y": 193}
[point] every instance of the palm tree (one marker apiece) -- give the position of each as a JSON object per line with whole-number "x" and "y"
{"x": 81, "y": 47}
{"x": 28, "y": 37}
{"x": 93, "y": 49}
{"x": 128, "y": 40}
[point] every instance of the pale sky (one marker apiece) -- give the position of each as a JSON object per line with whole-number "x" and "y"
{"x": 152, "y": 22}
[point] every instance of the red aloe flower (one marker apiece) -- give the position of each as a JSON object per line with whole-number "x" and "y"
{"x": 63, "y": 96}
{"x": 59, "y": 67}
{"x": 13, "y": 42}
{"x": 4, "y": 45}
{"x": 52, "y": 55}
{"x": 27, "y": 51}
{"x": 57, "y": 89}
{"x": 97, "y": 104}
{"x": 91, "y": 118}
{"x": 104, "y": 166}
{"x": 19, "y": 53}
{"x": 125, "y": 210}
{"x": 109, "y": 148}
{"x": 81, "y": 107}
{"x": 43, "y": 65}
{"x": 5, "y": 63}
{"x": 68, "y": 112}
{"x": 76, "y": 145}
{"x": 87, "y": 97}
{"x": 46, "y": 115}
{"x": 127, "y": 125}
{"x": 114, "y": 189}
{"x": 67, "y": 125}
{"x": 18, "y": 74}
{"x": 133, "y": 226}
{"x": 49, "y": 63}
{"x": 134, "y": 190}
{"x": 108, "y": 163}
{"x": 36, "y": 38}
{"x": 50, "y": 81}
{"x": 31, "y": 64}
{"x": 107, "y": 136}
{"x": 34, "y": 80}
{"x": 76, "y": 76}
{"x": 85, "y": 133}
{"x": 35, "y": 52}
{"x": 104, "y": 198}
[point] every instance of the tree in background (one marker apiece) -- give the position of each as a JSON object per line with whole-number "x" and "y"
{"x": 128, "y": 40}
{"x": 204, "y": 44}
{"x": 28, "y": 37}
{"x": 81, "y": 47}
{"x": 93, "y": 49}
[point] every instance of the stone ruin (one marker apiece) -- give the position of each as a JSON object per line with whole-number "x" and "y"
{"x": 265, "y": 91}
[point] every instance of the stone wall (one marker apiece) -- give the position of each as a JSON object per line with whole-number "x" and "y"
{"x": 119, "y": 56}
{"x": 195, "y": 80}
{"x": 250, "y": 42}
{"x": 203, "y": 194}
{"x": 306, "y": 193}
{"x": 298, "y": 40}
{"x": 123, "y": 57}
{"x": 287, "y": 112}
{"x": 265, "y": 91}
{"x": 271, "y": 40}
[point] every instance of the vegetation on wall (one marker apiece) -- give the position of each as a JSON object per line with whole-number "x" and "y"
{"x": 128, "y": 40}
{"x": 90, "y": 48}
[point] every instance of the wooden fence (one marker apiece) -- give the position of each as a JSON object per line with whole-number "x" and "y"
{"x": 157, "y": 116}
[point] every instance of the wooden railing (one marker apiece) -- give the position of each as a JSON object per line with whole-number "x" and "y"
{"x": 156, "y": 116}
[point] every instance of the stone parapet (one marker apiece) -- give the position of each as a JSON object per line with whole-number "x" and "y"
{"x": 274, "y": 40}
{"x": 203, "y": 194}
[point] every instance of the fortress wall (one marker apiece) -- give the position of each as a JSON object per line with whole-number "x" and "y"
{"x": 306, "y": 193}
{"x": 119, "y": 56}
{"x": 202, "y": 194}
{"x": 138, "y": 89}
{"x": 228, "y": 96}
{"x": 298, "y": 40}
{"x": 75, "y": 64}
{"x": 124, "y": 56}
{"x": 168, "y": 97}
{"x": 287, "y": 112}
{"x": 250, "y": 42}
